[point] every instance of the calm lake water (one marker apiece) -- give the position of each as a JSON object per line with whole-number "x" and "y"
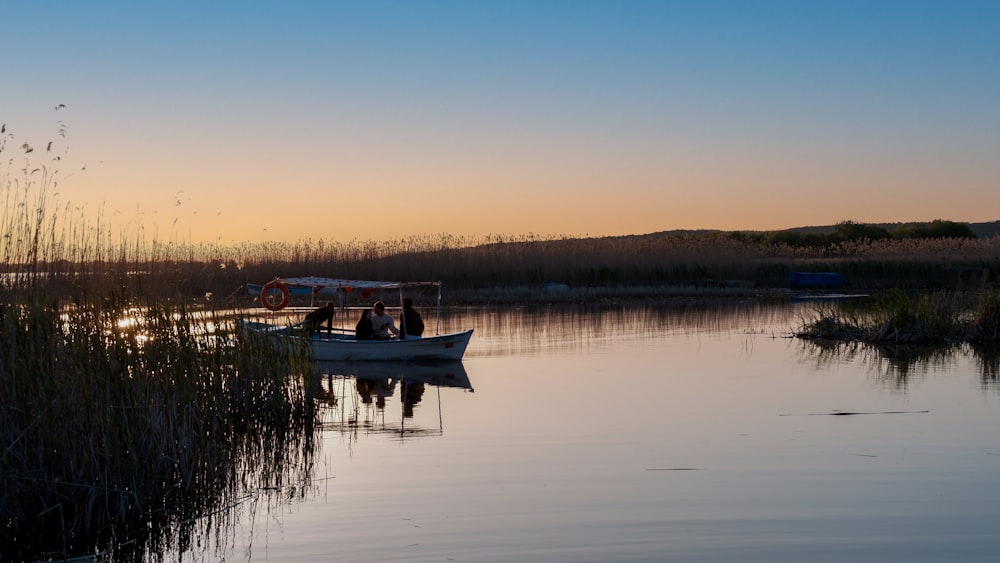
{"x": 696, "y": 433}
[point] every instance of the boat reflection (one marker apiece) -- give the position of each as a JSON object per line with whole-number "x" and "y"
{"x": 360, "y": 394}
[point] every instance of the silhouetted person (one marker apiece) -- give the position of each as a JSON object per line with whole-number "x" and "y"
{"x": 410, "y": 322}
{"x": 316, "y": 318}
{"x": 363, "y": 330}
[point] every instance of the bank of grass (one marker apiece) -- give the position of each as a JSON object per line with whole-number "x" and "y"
{"x": 688, "y": 260}
{"x": 900, "y": 317}
{"x": 510, "y": 269}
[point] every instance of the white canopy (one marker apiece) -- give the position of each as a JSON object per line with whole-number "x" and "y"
{"x": 318, "y": 283}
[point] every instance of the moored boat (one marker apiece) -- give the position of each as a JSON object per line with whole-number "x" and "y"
{"x": 341, "y": 344}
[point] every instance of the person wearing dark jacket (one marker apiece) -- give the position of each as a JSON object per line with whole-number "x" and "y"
{"x": 410, "y": 322}
{"x": 315, "y": 318}
{"x": 363, "y": 330}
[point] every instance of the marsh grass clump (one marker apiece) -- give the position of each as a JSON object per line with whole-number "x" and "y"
{"x": 985, "y": 323}
{"x": 899, "y": 317}
{"x": 830, "y": 327}
{"x": 922, "y": 318}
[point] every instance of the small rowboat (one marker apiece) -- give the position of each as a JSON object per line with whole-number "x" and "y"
{"x": 341, "y": 344}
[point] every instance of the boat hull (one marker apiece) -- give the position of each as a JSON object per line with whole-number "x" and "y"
{"x": 335, "y": 346}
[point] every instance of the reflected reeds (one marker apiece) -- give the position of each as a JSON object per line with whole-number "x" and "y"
{"x": 987, "y": 359}
{"x": 558, "y": 328}
{"x": 899, "y": 367}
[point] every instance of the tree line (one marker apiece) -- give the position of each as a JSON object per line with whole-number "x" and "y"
{"x": 850, "y": 231}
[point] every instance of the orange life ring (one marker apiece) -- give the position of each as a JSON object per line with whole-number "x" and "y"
{"x": 267, "y": 296}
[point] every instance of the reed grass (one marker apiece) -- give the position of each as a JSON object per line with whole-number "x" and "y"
{"x": 901, "y": 317}
{"x": 129, "y": 411}
{"x": 515, "y": 268}
{"x": 118, "y": 416}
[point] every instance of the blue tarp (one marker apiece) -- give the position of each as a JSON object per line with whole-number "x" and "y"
{"x": 803, "y": 280}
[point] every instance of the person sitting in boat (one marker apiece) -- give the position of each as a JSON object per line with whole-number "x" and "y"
{"x": 315, "y": 318}
{"x": 410, "y": 323}
{"x": 363, "y": 330}
{"x": 382, "y": 323}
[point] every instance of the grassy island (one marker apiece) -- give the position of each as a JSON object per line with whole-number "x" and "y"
{"x": 901, "y": 317}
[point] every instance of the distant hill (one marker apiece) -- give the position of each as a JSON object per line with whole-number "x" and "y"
{"x": 982, "y": 230}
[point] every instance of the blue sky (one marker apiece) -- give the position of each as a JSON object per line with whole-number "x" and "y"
{"x": 242, "y": 121}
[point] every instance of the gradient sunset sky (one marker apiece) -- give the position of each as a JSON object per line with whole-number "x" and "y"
{"x": 248, "y": 121}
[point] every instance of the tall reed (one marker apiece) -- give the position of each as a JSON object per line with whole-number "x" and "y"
{"x": 128, "y": 410}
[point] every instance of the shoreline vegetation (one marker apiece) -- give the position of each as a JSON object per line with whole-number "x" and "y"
{"x": 129, "y": 408}
{"x": 899, "y": 317}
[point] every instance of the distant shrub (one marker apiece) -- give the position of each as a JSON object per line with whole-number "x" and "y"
{"x": 935, "y": 230}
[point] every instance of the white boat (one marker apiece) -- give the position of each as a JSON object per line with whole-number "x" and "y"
{"x": 341, "y": 344}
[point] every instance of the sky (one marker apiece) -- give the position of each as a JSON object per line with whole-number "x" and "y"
{"x": 242, "y": 121}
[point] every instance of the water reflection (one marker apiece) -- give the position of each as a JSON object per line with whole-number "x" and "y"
{"x": 987, "y": 358}
{"x": 361, "y": 395}
{"x": 577, "y": 471}
{"x": 560, "y": 329}
{"x": 900, "y": 366}
{"x": 504, "y": 331}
